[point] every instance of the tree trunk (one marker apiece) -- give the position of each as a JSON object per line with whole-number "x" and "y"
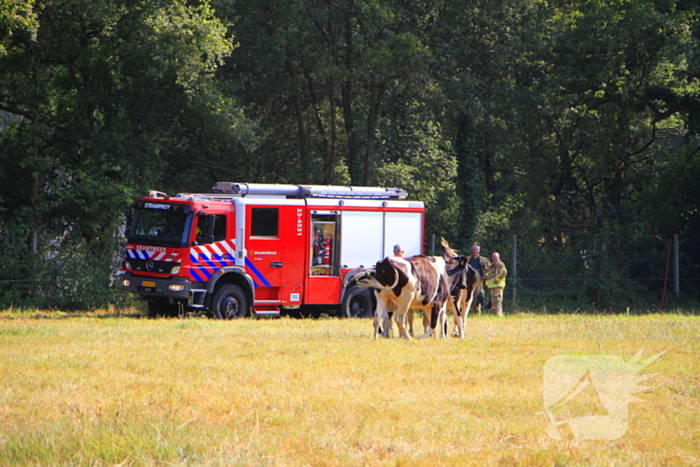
{"x": 347, "y": 96}
{"x": 375, "y": 105}
{"x": 332, "y": 154}
{"x": 301, "y": 129}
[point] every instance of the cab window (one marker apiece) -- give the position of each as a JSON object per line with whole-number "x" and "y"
{"x": 219, "y": 228}
{"x": 264, "y": 222}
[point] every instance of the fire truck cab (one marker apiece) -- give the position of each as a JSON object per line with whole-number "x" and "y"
{"x": 263, "y": 249}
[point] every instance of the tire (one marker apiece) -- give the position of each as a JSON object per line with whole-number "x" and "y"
{"x": 358, "y": 302}
{"x": 230, "y": 302}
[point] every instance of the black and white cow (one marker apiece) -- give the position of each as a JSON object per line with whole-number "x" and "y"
{"x": 464, "y": 282}
{"x": 404, "y": 284}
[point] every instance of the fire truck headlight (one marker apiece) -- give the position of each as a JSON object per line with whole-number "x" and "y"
{"x": 175, "y": 270}
{"x": 176, "y": 287}
{"x": 126, "y": 282}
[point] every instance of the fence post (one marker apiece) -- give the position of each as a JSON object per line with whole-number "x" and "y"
{"x": 676, "y": 268}
{"x": 513, "y": 266}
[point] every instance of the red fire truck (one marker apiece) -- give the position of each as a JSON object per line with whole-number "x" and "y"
{"x": 265, "y": 249}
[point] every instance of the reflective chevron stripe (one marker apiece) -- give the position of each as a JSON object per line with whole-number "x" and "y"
{"x": 207, "y": 259}
{"x": 154, "y": 254}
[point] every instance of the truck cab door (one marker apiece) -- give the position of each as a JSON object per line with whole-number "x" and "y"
{"x": 275, "y": 252}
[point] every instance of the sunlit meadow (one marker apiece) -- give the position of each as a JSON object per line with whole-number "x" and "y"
{"x": 104, "y": 389}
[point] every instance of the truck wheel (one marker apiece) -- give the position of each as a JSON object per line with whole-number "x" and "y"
{"x": 229, "y": 302}
{"x": 358, "y": 302}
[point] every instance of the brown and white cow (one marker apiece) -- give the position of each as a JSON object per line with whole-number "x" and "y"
{"x": 403, "y": 284}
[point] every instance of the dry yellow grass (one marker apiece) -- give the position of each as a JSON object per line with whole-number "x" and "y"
{"x": 98, "y": 390}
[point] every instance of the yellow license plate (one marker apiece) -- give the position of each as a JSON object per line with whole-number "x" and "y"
{"x": 148, "y": 284}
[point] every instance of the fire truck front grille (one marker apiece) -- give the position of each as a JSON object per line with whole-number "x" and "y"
{"x": 147, "y": 265}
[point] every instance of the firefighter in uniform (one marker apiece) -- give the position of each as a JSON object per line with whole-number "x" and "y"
{"x": 496, "y": 281}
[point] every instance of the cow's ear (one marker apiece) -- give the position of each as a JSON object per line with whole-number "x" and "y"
{"x": 463, "y": 261}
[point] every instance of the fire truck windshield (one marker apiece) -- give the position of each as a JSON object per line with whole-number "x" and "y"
{"x": 160, "y": 224}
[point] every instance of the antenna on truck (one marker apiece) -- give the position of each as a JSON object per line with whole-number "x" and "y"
{"x": 310, "y": 191}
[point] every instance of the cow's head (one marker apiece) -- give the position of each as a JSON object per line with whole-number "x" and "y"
{"x": 457, "y": 273}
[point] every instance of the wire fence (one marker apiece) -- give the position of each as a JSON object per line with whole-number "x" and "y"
{"x": 521, "y": 293}
{"x": 536, "y": 279}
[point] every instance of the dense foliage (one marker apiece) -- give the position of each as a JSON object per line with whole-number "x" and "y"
{"x": 574, "y": 125}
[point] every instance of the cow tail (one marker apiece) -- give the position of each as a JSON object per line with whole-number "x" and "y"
{"x": 371, "y": 282}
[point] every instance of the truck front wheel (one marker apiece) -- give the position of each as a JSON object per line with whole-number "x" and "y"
{"x": 358, "y": 302}
{"x": 229, "y": 302}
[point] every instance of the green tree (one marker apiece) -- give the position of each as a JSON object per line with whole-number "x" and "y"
{"x": 100, "y": 101}
{"x": 574, "y": 109}
{"x": 16, "y": 18}
{"x": 317, "y": 75}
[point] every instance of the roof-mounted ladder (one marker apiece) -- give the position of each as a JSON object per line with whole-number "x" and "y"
{"x": 309, "y": 191}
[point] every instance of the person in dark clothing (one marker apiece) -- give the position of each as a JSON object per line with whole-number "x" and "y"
{"x": 481, "y": 264}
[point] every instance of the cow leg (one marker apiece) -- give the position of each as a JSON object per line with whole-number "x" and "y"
{"x": 434, "y": 321}
{"x": 400, "y": 318}
{"x": 388, "y": 318}
{"x": 460, "y": 325}
{"x": 459, "y": 320}
{"x": 465, "y": 306}
{"x": 461, "y": 316}
{"x": 453, "y": 305}
{"x": 441, "y": 325}
{"x": 381, "y": 315}
{"x": 386, "y": 324}
{"x": 426, "y": 320}
{"x": 377, "y": 320}
{"x": 409, "y": 319}
{"x": 403, "y": 306}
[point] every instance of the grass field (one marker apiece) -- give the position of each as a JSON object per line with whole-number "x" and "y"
{"x": 104, "y": 390}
